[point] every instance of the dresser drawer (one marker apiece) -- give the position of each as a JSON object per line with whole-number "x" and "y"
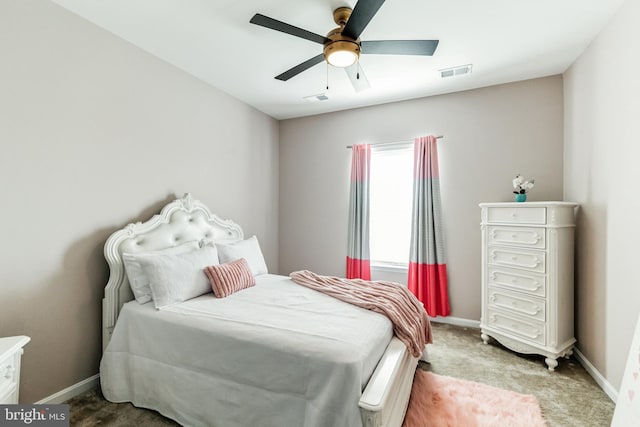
{"x": 8, "y": 367}
{"x": 7, "y": 379}
{"x": 514, "y": 325}
{"x": 517, "y": 257}
{"x": 10, "y": 353}
{"x": 521, "y": 304}
{"x": 524, "y": 215}
{"x": 522, "y": 236}
{"x": 530, "y": 283}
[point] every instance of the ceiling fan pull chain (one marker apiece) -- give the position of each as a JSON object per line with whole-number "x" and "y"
{"x": 327, "y": 76}
{"x": 358, "y": 72}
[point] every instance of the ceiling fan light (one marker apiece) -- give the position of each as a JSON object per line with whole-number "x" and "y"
{"x": 342, "y": 58}
{"x": 342, "y": 53}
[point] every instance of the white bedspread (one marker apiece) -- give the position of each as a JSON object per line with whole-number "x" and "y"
{"x": 277, "y": 354}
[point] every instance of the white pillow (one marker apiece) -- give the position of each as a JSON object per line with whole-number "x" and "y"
{"x": 138, "y": 281}
{"x": 248, "y": 249}
{"x": 177, "y": 278}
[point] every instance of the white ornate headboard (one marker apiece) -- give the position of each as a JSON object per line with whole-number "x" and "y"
{"x": 180, "y": 221}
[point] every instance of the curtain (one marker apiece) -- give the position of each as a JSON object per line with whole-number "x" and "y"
{"x": 358, "y": 264}
{"x": 427, "y": 266}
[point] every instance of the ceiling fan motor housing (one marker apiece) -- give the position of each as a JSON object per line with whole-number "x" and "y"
{"x": 339, "y": 42}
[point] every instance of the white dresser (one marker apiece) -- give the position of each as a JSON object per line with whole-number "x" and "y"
{"x": 527, "y": 277}
{"x": 10, "y": 354}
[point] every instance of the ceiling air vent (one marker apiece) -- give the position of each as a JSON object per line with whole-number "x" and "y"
{"x": 455, "y": 71}
{"x": 317, "y": 97}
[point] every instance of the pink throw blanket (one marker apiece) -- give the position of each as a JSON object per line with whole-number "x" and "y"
{"x": 410, "y": 321}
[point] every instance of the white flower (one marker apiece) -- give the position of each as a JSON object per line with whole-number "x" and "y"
{"x": 521, "y": 186}
{"x": 517, "y": 181}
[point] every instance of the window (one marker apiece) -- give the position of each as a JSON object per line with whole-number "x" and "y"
{"x": 391, "y": 199}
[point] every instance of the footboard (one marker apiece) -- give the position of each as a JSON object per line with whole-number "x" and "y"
{"x": 385, "y": 399}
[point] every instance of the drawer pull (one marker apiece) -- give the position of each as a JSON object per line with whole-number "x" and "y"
{"x": 513, "y": 214}
{"x": 9, "y": 372}
{"x": 525, "y": 282}
{"x": 514, "y": 258}
{"x": 514, "y": 236}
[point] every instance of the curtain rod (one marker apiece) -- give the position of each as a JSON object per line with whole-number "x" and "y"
{"x": 394, "y": 142}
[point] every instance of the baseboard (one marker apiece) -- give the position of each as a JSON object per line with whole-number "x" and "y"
{"x": 596, "y": 375}
{"x": 72, "y": 391}
{"x": 456, "y": 321}
{"x": 591, "y": 370}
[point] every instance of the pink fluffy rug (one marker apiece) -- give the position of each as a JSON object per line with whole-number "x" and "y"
{"x": 439, "y": 401}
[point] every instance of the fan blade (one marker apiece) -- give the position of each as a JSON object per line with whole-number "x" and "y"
{"x": 274, "y": 24}
{"x": 400, "y": 47}
{"x": 300, "y": 68}
{"x": 357, "y": 77}
{"x": 362, "y": 14}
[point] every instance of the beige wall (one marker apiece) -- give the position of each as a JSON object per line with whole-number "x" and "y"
{"x": 94, "y": 134}
{"x": 602, "y": 112}
{"x": 490, "y": 135}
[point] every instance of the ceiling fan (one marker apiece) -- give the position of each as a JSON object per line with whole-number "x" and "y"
{"x": 342, "y": 45}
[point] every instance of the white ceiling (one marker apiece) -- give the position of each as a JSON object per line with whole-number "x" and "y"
{"x": 505, "y": 40}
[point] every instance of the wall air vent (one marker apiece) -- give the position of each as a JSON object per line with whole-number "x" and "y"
{"x": 455, "y": 71}
{"x": 317, "y": 97}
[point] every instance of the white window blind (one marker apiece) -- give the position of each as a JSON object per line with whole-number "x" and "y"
{"x": 391, "y": 198}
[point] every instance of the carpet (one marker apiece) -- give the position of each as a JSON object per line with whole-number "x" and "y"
{"x": 440, "y": 401}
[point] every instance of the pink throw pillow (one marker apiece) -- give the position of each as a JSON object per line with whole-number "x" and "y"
{"x": 231, "y": 277}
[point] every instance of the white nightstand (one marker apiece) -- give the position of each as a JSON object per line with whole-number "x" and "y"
{"x": 10, "y": 354}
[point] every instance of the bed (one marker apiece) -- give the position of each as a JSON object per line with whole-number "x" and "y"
{"x": 274, "y": 354}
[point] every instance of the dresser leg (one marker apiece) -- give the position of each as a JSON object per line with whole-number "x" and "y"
{"x": 551, "y": 363}
{"x": 485, "y": 338}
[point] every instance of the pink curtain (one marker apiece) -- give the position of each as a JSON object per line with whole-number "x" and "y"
{"x": 358, "y": 263}
{"x": 427, "y": 265}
